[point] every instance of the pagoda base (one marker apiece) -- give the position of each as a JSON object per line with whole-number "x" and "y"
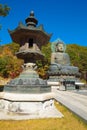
{"x": 28, "y": 106}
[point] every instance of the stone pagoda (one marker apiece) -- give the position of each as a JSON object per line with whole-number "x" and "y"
{"x": 29, "y": 96}
{"x": 31, "y": 38}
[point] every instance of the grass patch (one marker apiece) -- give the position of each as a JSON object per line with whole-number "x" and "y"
{"x": 68, "y": 122}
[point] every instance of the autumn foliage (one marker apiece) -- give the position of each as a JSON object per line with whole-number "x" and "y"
{"x": 10, "y": 65}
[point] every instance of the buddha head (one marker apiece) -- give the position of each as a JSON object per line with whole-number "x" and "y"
{"x": 60, "y": 47}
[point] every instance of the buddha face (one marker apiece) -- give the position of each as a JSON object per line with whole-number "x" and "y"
{"x": 60, "y": 47}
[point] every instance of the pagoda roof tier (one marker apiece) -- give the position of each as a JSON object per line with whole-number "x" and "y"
{"x": 23, "y": 31}
{"x": 31, "y": 20}
{"x": 30, "y": 56}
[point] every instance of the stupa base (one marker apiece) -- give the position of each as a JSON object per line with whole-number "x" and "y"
{"x": 28, "y": 106}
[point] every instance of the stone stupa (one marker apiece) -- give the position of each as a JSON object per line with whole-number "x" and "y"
{"x": 28, "y": 96}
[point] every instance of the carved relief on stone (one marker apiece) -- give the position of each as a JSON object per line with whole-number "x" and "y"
{"x": 48, "y": 104}
{"x": 14, "y": 107}
{"x": 2, "y": 105}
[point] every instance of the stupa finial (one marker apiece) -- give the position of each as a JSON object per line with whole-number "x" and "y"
{"x": 32, "y": 13}
{"x": 31, "y": 20}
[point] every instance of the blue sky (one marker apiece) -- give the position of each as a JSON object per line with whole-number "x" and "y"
{"x": 66, "y": 19}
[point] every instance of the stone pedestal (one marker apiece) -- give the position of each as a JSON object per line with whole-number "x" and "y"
{"x": 28, "y": 97}
{"x": 28, "y": 106}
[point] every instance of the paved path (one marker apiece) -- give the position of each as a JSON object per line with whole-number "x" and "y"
{"x": 75, "y": 102}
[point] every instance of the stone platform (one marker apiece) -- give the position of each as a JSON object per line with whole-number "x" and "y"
{"x": 27, "y": 106}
